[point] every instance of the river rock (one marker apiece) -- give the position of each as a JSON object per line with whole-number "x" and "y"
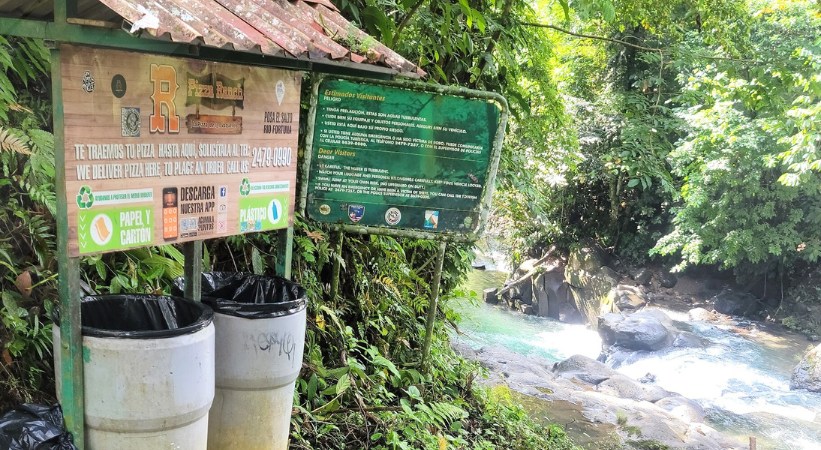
{"x": 642, "y": 276}
{"x": 489, "y": 295}
{"x": 628, "y": 297}
{"x": 734, "y": 303}
{"x": 527, "y": 310}
{"x": 639, "y": 331}
{"x": 685, "y": 339}
{"x": 591, "y": 283}
{"x": 552, "y": 297}
{"x": 667, "y": 279}
{"x": 622, "y": 386}
{"x": 701, "y": 315}
{"x": 807, "y": 374}
{"x": 682, "y": 407}
{"x": 584, "y": 369}
{"x": 522, "y": 292}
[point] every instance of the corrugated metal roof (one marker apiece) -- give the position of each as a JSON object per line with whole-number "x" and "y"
{"x": 303, "y": 29}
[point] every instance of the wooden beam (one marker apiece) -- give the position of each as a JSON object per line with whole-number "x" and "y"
{"x": 72, "y": 392}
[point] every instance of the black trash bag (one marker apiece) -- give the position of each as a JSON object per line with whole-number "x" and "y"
{"x": 142, "y": 316}
{"x": 34, "y": 427}
{"x": 249, "y": 296}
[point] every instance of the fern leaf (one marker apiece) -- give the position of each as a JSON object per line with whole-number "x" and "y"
{"x": 12, "y": 143}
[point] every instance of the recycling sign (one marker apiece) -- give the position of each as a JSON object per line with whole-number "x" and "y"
{"x": 245, "y": 187}
{"x": 85, "y": 198}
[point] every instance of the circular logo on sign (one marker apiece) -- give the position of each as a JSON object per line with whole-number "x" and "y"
{"x": 118, "y": 86}
{"x": 393, "y": 216}
{"x": 85, "y": 198}
{"x": 101, "y": 229}
{"x": 274, "y": 211}
{"x": 324, "y": 209}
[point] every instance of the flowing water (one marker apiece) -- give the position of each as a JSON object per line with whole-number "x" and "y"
{"x": 741, "y": 376}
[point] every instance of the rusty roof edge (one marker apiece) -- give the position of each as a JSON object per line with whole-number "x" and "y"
{"x": 392, "y": 58}
{"x": 230, "y": 22}
{"x": 316, "y": 37}
{"x": 193, "y": 22}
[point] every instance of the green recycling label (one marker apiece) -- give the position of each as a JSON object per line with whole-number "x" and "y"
{"x": 263, "y": 212}
{"x": 114, "y": 228}
{"x": 85, "y": 198}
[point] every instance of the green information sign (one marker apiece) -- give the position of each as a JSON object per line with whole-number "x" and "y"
{"x": 392, "y": 157}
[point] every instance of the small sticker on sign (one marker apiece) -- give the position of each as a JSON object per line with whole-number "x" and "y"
{"x": 280, "y": 91}
{"x": 118, "y": 85}
{"x": 393, "y": 216}
{"x": 88, "y": 81}
{"x": 355, "y": 212}
{"x": 130, "y": 119}
{"x": 431, "y": 219}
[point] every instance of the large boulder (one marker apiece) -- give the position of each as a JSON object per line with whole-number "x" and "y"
{"x": 584, "y": 369}
{"x": 807, "y": 374}
{"x": 643, "y": 330}
{"x": 701, "y": 315}
{"x": 523, "y": 290}
{"x": 552, "y": 297}
{"x": 683, "y": 408}
{"x": 629, "y": 298}
{"x": 591, "y": 283}
{"x": 490, "y": 295}
{"x": 734, "y": 303}
{"x": 622, "y": 386}
{"x": 642, "y": 276}
{"x": 667, "y": 279}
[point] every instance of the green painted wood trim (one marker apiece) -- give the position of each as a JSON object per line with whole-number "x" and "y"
{"x": 337, "y": 267}
{"x": 285, "y": 251}
{"x": 71, "y": 350}
{"x": 193, "y": 269}
{"x": 434, "y": 303}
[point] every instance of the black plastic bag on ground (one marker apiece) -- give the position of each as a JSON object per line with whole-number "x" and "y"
{"x": 249, "y": 296}
{"x": 34, "y": 427}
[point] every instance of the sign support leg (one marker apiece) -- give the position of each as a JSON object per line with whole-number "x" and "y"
{"x": 340, "y": 239}
{"x": 193, "y": 269}
{"x": 285, "y": 249}
{"x": 434, "y": 302}
{"x": 71, "y": 339}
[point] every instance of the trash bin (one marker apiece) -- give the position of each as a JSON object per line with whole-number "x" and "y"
{"x": 260, "y": 326}
{"x": 148, "y": 372}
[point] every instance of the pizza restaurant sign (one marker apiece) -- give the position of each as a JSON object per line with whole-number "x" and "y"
{"x": 162, "y": 150}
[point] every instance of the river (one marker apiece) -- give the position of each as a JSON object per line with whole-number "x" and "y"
{"x": 740, "y": 377}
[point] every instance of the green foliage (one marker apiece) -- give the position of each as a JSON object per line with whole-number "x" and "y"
{"x": 749, "y": 159}
{"x": 27, "y": 266}
{"x": 362, "y": 385}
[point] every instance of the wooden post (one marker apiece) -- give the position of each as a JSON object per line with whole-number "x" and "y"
{"x": 71, "y": 393}
{"x": 193, "y": 269}
{"x": 752, "y": 443}
{"x": 337, "y": 267}
{"x": 285, "y": 250}
{"x": 434, "y": 301}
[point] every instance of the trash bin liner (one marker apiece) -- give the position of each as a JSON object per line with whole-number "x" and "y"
{"x": 34, "y": 427}
{"x": 136, "y": 316}
{"x": 248, "y": 295}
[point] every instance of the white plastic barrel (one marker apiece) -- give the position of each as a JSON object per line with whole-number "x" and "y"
{"x": 258, "y": 362}
{"x": 147, "y": 393}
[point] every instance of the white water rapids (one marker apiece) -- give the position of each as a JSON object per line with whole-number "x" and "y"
{"x": 740, "y": 376}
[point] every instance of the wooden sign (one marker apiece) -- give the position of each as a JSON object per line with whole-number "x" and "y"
{"x": 162, "y": 150}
